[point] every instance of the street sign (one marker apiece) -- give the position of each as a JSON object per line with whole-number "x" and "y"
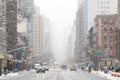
{"x": 98, "y": 52}
{"x": 20, "y": 50}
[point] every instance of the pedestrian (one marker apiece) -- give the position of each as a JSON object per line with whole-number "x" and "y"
{"x": 5, "y": 69}
{"x": 89, "y": 68}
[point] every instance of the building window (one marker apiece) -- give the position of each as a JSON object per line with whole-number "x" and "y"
{"x": 111, "y": 46}
{"x": 101, "y": 2}
{"x": 111, "y": 22}
{"x": 105, "y": 46}
{"x": 110, "y": 52}
{"x": 105, "y": 2}
{"x": 98, "y": 2}
{"x": 110, "y": 38}
{"x": 105, "y": 22}
{"x": 101, "y": 11}
{"x": 105, "y": 29}
{"x": 105, "y": 38}
{"x": 110, "y": 29}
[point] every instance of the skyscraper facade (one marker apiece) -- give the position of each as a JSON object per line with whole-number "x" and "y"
{"x": 81, "y": 30}
{"x": 11, "y": 24}
{"x": 38, "y": 36}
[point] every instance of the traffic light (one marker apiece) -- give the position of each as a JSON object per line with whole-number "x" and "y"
{"x": 30, "y": 50}
{"x": 90, "y": 52}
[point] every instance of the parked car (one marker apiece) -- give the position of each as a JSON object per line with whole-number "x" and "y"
{"x": 73, "y": 68}
{"x": 45, "y": 65}
{"x": 83, "y": 67}
{"x": 46, "y": 68}
{"x": 63, "y": 67}
{"x": 36, "y": 66}
{"x": 41, "y": 69}
{"x": 86, "y": 68}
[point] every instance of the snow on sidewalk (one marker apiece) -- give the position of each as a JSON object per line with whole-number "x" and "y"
{"x": 108, "y": 75}
{"x": 8, "y": 75}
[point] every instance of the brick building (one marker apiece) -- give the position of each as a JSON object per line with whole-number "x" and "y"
{"x": 105, "y": 26}
{"x": 118, "y": 32}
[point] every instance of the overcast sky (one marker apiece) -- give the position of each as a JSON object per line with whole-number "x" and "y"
{"x": 62, "y": 14}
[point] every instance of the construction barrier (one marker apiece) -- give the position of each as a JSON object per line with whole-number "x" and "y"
{"x": 115, "y": 74}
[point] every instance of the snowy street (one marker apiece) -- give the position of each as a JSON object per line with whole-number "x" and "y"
{"x": 53, "y": 75}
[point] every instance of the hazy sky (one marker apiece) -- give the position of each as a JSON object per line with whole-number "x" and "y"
{"x": 62, "y": 14}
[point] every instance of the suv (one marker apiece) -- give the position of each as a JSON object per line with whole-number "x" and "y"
{"x": 41, "y": 69}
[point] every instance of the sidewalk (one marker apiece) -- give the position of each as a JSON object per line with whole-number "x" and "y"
{"x": 108, "y": 75}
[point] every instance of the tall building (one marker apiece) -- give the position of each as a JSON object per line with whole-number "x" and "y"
{"x": 99, "y": 7}
{"x": 29, "y": 14}
{"x": 3, "y": 41}
{"x": 70, "y": 45}
{"x": 46, "y": 35}
{"x": 118, "y": 32}
{"x": 11, "y": 24}
{"x": 92, "y": 39}
{"x": 26, "y": 10}
{"x": 38, "y": 36}
{"x": 105, "y": 26}
{"x": 22, "y": 16}
{"x": 81, "y": 30}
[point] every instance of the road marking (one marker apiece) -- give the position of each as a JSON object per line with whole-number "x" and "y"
{"x": 60, "y": 76}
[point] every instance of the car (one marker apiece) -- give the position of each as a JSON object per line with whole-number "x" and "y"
{"x": 63, "y": 67}
{"x": 83, "y": 67}
{"x": 45, "y": 65}
{"x": 86, "y": 68}
{"x": 36, "y": 66}
{"x": 46, "y": 68}
{"x": 41, "y": 69}
{"x": 73, "y": 68}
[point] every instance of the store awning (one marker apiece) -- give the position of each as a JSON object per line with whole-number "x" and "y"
{"x": 10, "y": 56}
{"x": 98, "y": 52}
{"x": 1, "y": 56}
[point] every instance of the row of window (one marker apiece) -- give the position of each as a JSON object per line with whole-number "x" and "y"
{"x": 103, "y": 7}
{"x": 103, "y": 2}
{"x": 110, "y": 38}
{"x": 110, "y": 23}
{"x": 105, "y": 12}
{"x": 105, "y": 46}
{"x": 110, "y": 29}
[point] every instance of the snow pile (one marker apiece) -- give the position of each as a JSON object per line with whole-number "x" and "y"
{"x": 12, "y": 74}
{"x": 108, "y": 75}
{"x": 8, "y": 75}
{"x": 3, "y": 77}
